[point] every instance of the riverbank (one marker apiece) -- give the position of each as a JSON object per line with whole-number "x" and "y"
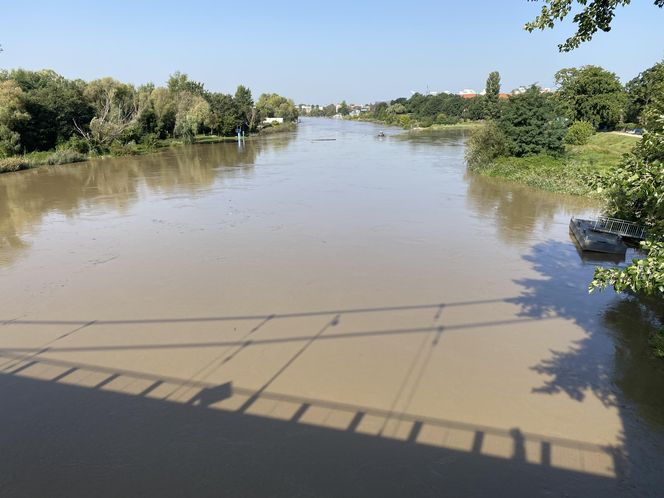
{"x": 69, "y": 156}
{"x": 577, "y": 172}
{"x": 414, "y": 126}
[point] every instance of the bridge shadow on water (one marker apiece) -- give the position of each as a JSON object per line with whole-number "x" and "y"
{"x": 67, "y": 440}
{"x": 72, "y": 428}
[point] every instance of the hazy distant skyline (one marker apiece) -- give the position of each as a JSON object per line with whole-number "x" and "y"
{"x": 317, "y": 53}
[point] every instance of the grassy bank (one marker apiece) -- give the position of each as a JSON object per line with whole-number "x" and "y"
{"x": 68, "y": 156}
{"x": 413, "y": 125}
{"x": 436, "y": 127}
{"x": 577, "y": 172}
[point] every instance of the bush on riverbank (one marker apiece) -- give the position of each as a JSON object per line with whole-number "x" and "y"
{"x": 484, "y": 146}
{"x": 579, "y": 133}
{"x": 278, "y": 128}
{"x": 65, "y": 156}
{"x": 8, "y": 164}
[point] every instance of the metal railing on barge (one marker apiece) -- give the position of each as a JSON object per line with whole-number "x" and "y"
{"x": 619, "y": 227}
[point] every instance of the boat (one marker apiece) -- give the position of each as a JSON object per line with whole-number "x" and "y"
{"x": 381, "y": 134}
{"x": 593, "y": 240}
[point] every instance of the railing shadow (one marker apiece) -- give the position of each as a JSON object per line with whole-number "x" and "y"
{"x": 123, "y": 436}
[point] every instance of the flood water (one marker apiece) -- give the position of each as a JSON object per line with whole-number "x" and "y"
{"x": 354, "y": 316}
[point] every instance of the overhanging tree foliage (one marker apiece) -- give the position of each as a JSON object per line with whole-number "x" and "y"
{"x": 642, "y": 89}
{"x": 594, "y": 15}
{"x": 636, "y": 192}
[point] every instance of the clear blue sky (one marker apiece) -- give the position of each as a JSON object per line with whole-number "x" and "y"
{"x": 316, "y": 52}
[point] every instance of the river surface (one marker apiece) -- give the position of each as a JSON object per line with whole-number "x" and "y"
{"x": 322, "y": 313}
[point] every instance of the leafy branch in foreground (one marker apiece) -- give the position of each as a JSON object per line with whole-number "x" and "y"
{"x": 637, "y": 193}
{"x": 644, "y": 276}
{"x": 595, "y": 15}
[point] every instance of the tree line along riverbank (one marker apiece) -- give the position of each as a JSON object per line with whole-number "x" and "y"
{"x": 571, "y": 140}
{"x": 46, "y": 118}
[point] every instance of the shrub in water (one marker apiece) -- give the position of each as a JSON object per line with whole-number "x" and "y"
{"x": 425, "y": 122}
{"x": 65, "y": 156}
{"x": 579, "y": 133}
{"x": 12, "y": 164}
{"x": 485, "y": 145}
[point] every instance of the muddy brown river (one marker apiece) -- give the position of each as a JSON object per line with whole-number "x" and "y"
{"x": 297, "y": 317}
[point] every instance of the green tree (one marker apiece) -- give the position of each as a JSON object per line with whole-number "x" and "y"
{"x": 595, "y": 15}
{"x": 224, "y": 114}
{"x": 642, "y": 89}
{"x": 193, "y": 113}
{"x": 12, "y": 116}
{"x": 53, "y": 103}
{"x": 180, "y": 82}
{"x": 396, "y": 108}
{"x": 474, "y": 108}
{"x": 344, "y": 110}
{"x": 115, "y": 109}
{"x": 245, "y": 105}
{"x": 492, "y": 95}
{"x": 272, "y": 105}
{"x": 164, "y": 105}
{"x": 531, "y": 124}
{"x": 591, "y": 94}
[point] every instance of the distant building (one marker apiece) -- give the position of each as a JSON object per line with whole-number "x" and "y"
{"x": 522, "y": 89}
{"x": 471, "y": 94}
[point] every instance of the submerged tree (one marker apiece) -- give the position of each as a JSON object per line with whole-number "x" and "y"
{"x": 116, "y": 110}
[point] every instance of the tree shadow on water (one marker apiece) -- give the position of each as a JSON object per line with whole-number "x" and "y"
{"x": 612, "y": 361}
